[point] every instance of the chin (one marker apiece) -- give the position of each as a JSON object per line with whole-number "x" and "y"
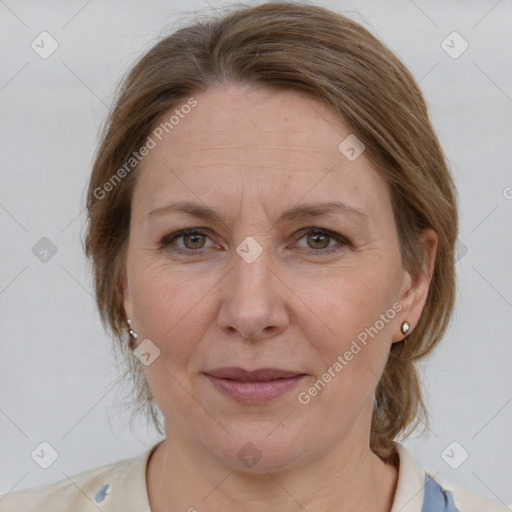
{"x": 259, "y": 449}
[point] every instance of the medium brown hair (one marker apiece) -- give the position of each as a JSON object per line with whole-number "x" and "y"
{"x": 311, "y": 50}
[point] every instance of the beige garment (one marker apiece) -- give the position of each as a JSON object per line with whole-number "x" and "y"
{"x": 121, "y": 487}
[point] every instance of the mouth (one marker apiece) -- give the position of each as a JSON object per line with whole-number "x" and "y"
{"x": 254, "y": 387}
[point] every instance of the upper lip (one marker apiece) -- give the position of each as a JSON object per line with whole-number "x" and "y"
{"x": 261, "y": 375}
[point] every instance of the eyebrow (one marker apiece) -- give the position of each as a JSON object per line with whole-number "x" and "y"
{"x": 303, "y": 211}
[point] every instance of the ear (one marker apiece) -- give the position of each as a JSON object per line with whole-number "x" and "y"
{"x": 414, "y": 289}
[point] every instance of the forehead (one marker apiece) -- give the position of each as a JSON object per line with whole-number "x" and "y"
{"x": 265, "y": 141}
{"x": 233, "y": 117}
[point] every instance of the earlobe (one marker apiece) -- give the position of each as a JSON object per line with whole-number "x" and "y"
{"x": 405, "y": 327}
{"x": 414, "y": 292}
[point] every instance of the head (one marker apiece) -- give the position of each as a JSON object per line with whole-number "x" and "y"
{"x": 250, "y": 115}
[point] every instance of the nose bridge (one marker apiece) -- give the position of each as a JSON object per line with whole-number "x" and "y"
{"x": 252, "y": 275}
{"x": 250, "y": 297}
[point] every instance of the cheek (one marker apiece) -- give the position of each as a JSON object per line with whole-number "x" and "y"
{"x": 169, "y": 311}
{"x": 357, "y": 309}
{"x": 169, "y": 306}
{"x": 359, "y": 315}
{"x": 352, "y": 300}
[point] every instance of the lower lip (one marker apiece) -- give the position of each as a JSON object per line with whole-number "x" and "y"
{"x": 255, "y": 392}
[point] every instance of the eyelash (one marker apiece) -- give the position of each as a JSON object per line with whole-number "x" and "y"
{"x": 170, "y": 238}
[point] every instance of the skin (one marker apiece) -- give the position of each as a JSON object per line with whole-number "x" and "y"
{"x": 250, "y": 154}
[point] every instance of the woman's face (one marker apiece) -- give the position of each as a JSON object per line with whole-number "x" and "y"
{"x": 273, "y": 280}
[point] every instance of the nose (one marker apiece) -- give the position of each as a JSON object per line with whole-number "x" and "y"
{"x": 253, "y": 299}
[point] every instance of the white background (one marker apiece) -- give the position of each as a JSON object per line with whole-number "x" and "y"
{"x": 56, "y": 364}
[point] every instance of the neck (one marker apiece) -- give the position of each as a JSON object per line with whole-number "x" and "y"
{"x": 181, "y": 477}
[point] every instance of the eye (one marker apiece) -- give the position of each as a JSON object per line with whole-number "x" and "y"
{"x": 318, "y": 241}
{"x": 193, "y": 241}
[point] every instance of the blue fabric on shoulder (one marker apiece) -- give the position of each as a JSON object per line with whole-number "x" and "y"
{"x": 436, "y": 499}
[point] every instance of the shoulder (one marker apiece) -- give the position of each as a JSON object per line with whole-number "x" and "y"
{"x": 465, "y": 500}
{"x": 119, "y": 485}
{"x": 419, "y": 491}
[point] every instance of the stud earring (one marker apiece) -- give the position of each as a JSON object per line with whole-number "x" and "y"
{"x": 133, "y": 335}
{"x": 405, "y": 327}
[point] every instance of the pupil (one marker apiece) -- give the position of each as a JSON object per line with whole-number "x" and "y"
{"x": 188, "y": 237}
{"x": 325, "y": 239}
